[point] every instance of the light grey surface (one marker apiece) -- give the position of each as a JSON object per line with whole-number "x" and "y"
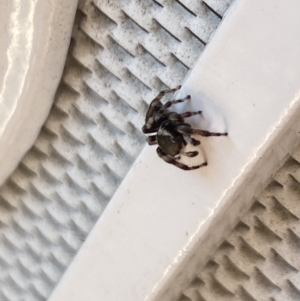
{"x": 34, "y": 42}
{"x": 121, "y": 55}
{"x": 259, "y": 260}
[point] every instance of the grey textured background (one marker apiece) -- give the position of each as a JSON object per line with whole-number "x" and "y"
{"x": 259, "y": 260}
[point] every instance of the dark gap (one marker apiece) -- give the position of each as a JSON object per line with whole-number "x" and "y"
{"x": 135, "y": 22}
{"x": 172, "y": 35}
{"x": 115, "y": 42}
{"x": 146, "y": 50}
{"x": 212, "y": 10}
{"x": 180, "y": 61}
{"x": 194, "y": 35}
{"x": 157, "y": 3}
{"x": 186, "y": 8}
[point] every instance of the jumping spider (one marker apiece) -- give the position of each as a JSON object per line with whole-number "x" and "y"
{"x": 173, "y": 133}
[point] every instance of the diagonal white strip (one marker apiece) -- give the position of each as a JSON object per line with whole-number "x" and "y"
{"x": 246, "y": 82}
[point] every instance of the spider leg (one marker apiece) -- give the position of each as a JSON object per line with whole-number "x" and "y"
{"x": 190, "y": 131}
{"x": 173, "y": 161}
{"x": 188, "y": 138}
{"x": 162, "y": 93}
{"x": 151, "y": 140}
{"x": 156, "y": 104}
{"x": 189, "y": 114}
{"x": 190, "y": 154}
{"x": 175, "y": 117}
{"x": 172, "y": 102}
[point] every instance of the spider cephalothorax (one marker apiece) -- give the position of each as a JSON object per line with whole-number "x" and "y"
{"x": 173, "y": 133}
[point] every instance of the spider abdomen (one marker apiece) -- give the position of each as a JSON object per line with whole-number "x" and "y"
{"x": 170, "y": 141}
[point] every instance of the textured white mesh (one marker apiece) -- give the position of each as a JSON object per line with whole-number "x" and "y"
{"x": 259, "y": 260}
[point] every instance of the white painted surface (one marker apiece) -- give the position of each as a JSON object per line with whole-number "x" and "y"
{"x": 247, "y": 82}
{"x": 34, "y": 41}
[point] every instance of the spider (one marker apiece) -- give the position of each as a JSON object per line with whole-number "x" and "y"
{"x": 173, "y": 133}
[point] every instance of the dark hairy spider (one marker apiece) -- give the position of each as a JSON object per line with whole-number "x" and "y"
{"x": 172, "y": 132}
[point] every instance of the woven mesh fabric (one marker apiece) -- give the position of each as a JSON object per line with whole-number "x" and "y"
{"x": 259, "y": 260}
{"x": 121, "y": 54}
